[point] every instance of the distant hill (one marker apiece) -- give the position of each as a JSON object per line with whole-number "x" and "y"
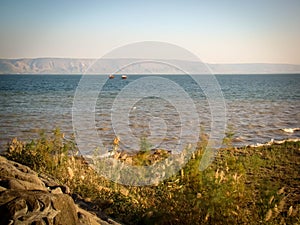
{"x": 106, "y": 66}
{"x": 254, "y": 68}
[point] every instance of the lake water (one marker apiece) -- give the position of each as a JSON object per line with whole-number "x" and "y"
{"x": 258, "y": 108}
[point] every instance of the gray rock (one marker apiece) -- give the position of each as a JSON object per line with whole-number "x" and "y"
{"x": 52, "y": 184}
{"x": 27, "y": 199}
{"x": 56, "y": 191}
{"x": 26, "y": 207}
{"x": 16, "y": 176}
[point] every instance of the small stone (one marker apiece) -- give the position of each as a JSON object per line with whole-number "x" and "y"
{"x": 57, "y": 191}
{"x": 124, "y": 156}
{"x": 2, "y": 188}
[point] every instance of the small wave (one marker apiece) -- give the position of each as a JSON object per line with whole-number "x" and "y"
{"x": 107, "y": 155}
{"x": 290, "y": 130}
{"x": 239, "y": 139}
{"x": 272, "y": 141}
{"x": 91, "y": 157}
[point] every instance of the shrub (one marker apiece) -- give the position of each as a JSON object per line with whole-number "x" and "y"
{"x": 242, "y": 186}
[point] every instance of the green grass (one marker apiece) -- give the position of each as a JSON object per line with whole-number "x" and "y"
{"x": 242, "y": 186}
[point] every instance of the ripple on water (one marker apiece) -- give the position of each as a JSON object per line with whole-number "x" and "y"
{"x": 256, "y": 112}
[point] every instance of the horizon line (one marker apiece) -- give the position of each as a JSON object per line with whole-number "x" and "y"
{"x": 107, "y": 58}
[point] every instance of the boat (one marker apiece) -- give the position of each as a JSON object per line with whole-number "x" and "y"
{"x": 124, "y": 77}
{"x": 111, "y": 76}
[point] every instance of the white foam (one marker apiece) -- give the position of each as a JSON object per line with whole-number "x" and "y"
{"x": 290, "y": 130}
{"x": 272, "y": 141}
{"x": 107, "y": 155}
{"x": 293, "y": 139}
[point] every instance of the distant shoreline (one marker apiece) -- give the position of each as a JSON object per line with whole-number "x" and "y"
{"x": 152, "y": 74}
{"x": 129, "y": 66}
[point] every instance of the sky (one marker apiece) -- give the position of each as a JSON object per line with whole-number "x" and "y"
{"x": 223, "y": 31}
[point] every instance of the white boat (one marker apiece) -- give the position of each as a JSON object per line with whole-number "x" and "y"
{"x": 124, "y": 77}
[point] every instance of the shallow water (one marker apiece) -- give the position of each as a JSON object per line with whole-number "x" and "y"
{"x": 258, "y": 108}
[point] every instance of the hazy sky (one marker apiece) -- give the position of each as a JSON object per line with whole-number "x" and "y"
{"x": 224, "y": 31}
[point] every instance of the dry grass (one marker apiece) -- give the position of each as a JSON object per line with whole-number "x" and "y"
{"x": 242, "y": 186}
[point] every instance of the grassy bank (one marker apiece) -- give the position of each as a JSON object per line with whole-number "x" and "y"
{"x": 242, "y": 186}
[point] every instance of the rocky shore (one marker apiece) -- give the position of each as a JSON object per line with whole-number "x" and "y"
{"x": 29, "y": 198}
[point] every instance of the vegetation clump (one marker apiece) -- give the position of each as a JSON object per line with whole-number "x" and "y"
{"x": 242, "y": 186}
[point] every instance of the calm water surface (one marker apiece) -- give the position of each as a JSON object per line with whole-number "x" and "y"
{"x": 258, "y": 108}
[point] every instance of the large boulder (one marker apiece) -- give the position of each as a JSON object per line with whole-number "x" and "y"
{"x": 28, "y": 207}
{"x": 26, "y": 198}
{"x": 17, "y": 176}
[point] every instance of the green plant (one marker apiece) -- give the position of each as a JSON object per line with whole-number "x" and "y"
{"x": 145, "y": 145}
{"x": 242, "y": 186}
{"x": 229, "y": 134}
{"x": 44, "y": 154}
